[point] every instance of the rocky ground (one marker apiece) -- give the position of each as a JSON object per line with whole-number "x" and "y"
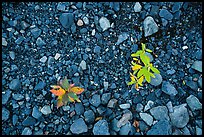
{"x": 91, "y": 43}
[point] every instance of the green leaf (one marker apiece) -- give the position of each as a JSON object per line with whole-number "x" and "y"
{"x": 135, "y": 71}
{"x": 147, "y": 75}
{"x": 65, "y": 84}
{"x": 143, "y": 46}
{"x": 137, "y": 53}
{"x": 152, "y": 75}
{"x": 74, "y": 96}
{"x": 148, "y": 50}
{"x": 133, "y": 63}
{"x": 65, "y": 99}
{"x": 140, "y": 80}
{"x": 141, "y": 72}
{"x": 145, "y": 59}
{"x": 131, "y": 82}
{"x": 155, "y": 70}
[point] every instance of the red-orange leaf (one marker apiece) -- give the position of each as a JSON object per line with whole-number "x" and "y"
{"x": 77, "y": 90}
{"x": 58, "y": 91}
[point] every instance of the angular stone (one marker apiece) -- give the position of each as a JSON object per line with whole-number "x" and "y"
{"x": 124, "y": 106}
{"x": 6, "y": 96}
{"x": 36, "y": 113}
{"x": 122, "y": 37}
{"x": 4, "y": 42}
{"x": 36, "y": 32}
{"x": 12, "y": 55}
{"x": 40, "y": 85}
{"x": 169, "y": 88}
{"x": 66, "y": 19}
{"x": 164, "y": 13}
{"x": 89, "y": 116}
{"x": 46, "y": 110}
{"x": 193, "y": 103}
{"x": 112, "y": 103}
{"x": 95, "y": 100}
{"x": 162, "y": 127}
{"x": 40, "y": 42}
{"x": 83, "y": 65}
{"x": 104, "y": 23}
{"x": 5, "y": 114}
{"x": 160, "y": 113}
{"x": 180, "y": 116}
{"x": 26, "y": 131}
{"x": 124, "y": 130}
{"x": 147, "y": 118}
{"x": 29, "y": 121}
{"x": 148, "y": 105}
{"x": 101, "y": 128}
{"x": 137, "y": 7}
{"x": 57, "y": 56}
{"x": 15, "y": 84}
{"x": 79, "y": 108}
{"x": 197, "y": 65}
{"x": 125, "y": 118}
{"x": 105, "y": 98}
{"x": 150, "y": 26}
{"x": 79, "y": 126}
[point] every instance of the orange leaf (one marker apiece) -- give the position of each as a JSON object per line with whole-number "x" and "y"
{"x": 58, "y": 91}
{"x": 98, "y": 118}
{"x": 135, "y": 67}
{"x": 77, "y": 90}
{"x": 71, "y": 99}
{"x": 136, "y": 86}
{"x": 136, "y": 123}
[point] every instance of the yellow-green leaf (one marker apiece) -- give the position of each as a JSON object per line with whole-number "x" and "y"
{"x": 148, "y": 50}
{"x": 59, "y": 103}
{"x": 65, "y": 84}
{"x": 147, "y": 75}
{"x": 143, "y": 46}
{"x": 134, "y": 72}
{"x": 140, "y": 72}
{"x": 131, "y": 82}
{"x": 152, "y": 75}
{"x": 140, "y": 80}
{"x": 74, "y": 96}
{"x": 145, "y": 59}
{"x": 137, "y": 53}
{"x": 155, "y": 70}
{"x": 133, "y": 63}
{"x": 135, "y": 67}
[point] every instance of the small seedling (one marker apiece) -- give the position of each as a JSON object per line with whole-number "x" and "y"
{"x": 66, "y": 92}
{"x": 142, "y": 67}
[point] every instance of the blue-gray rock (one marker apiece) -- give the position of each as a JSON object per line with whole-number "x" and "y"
{"x": 79, "y": 5}
{"x": 139, "y": 107}
{"x": 12, "y": 23}
{"x": 12, "y": 55}
{"x": 124, "y": 106}
{"x": 79, "y": 126}
{"x": 26, "y": 131}
{"x": 29, "y": 121}
{"x": 180, "y": 117}
{"x": 66, "y": 19}
{"x": 125, "y": 118}
{"x": 157, "y": 80}
{"x": 89, "y": 116}
{"x": 36, "y": 113}
{"x": 113, "y": 86}
{"x": 198, "y": 131}
{"x": 40, "y": 42}
{"x": 112, "y": 103}
{"x": 17, "y": 96}
{"x": 40, "y": 85}
{"x": 147, "y": 118}
{"x": 15, "y": 84}
{"x": 6, "y": 96}
{"x": 170, "y": 72}
{"x": 170, "y": 107}
{"x": 162, "y": 127}
{"x": 176, "y": 7}
{"x": 105, "y": 98}
{"x": 46, "y": 110}
{"x": 197, "y": 65}
{"x": 200, "y": 82}
{"x": 122, "y": 37}
{"x": 148, "y": 105}
{"x": 113, "y": 125}
{"x": 97, "y": 49}
{"x": 83, "y": 65}
{"x": 61, "y": 6}
{"x": 150, "y": 26}
{"x": 193, "y": 103}
{"x": 185, "y": 131}
{"x": 14, "y": 68}
{"x": 193, "y": 85}
{"x": 124, "y": 130}
{"x": 169, "y": 88}
{"x": 95, "y": 100}
{"x": 24, "y": 25}
{"x": 36, "y": 32}
{"x": 199, "y": 42}
{"x": 14, "y": 119}
{"x": 104, "y": 23}
{"x": 85, "y": 20}
{"x": 101, "y": 128}
{"x": 115, "y": 6}
{"x": 43, "y": 59}
{"x": 79, "y": 108}
{"x": 160, "y": 113}
{"x": 150, "y": 56}
{"x": 101, "y": 110}
{"x": 164, "y": 13}
{"x": 198, "y": 54}
{"x": 137, "y": 7}
{"x": 5, "y": 114}
{"x": 4, "y": 42}
{"x": 105, "y": 85}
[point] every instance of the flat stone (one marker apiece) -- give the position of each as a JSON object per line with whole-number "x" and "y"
{"x": 125, "y": 119}
{"x": 36, "y": 113}
{"x": 79, "y": 126}
{"x": 124, "y": 106}
{"x": 40, "y": 85}
{"x": 5, "y": 114}
{"x": 164, "y": 13}
{"x": 194, "y": 103}
{"x": 15, "y": 84}
{"x": 29, "y": 121}
{"x": 105, "y": 84}
{"x": 162, "y": 127}
{"x": 79, "y": 108}
{"x": 180, "y": 116}
{"x": 137, "y": 7}
{"x": 193, "y": 85}
{"x": 14, "y": 119}
{"x": 66, "y": 19}
{"x": 169, "y": 88}
{"x": 4, "y": 42}
{"x": 26, "y": 131}
{"x": 139, "y": 107}
{"x": 122, "y": 37}
{"x": 61, "y": 6}
{"x": 101, "y": 128}
{"x": 150, "y": 26}
{"x": 17, "y": 96}
{"x": 46, "y": 110}
{"x": 197, "y": 65}
{"x": 157, "y": 80}
{"x": 95, "y": 100}
{"x": 160, "y": 113}
{"x": 83, "y": 65}
{"x": 147, "y": 118}
{"x": 170, "y": 107}
{"x": 112, "y": 103}
{"x": 5, "y": 96}
{"x": 104, "y": 23}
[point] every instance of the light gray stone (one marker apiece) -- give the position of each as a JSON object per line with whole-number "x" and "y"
{"x": 150, "y": 26}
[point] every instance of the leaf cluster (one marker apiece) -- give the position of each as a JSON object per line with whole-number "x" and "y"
{"x": 142, "y": 68}
{"x": 66, "y": 92}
